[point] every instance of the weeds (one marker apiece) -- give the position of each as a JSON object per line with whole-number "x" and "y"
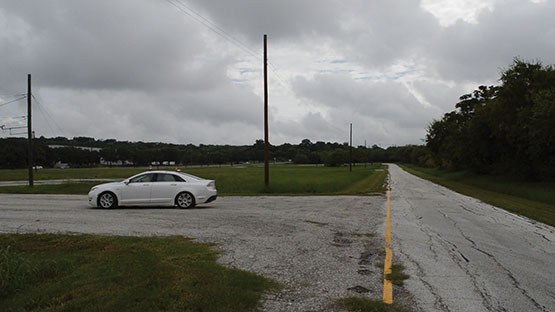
{"x": 15, "y": 270}
{"x": 109, "y": 273}
{"x": 397, "y": 276}
{"x": 364, "y": 234}
{"x": 316, "y": 223}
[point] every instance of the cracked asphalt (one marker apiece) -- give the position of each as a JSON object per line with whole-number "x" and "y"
{"x": 465, "y": 255}
{"x": 320, "y": 248}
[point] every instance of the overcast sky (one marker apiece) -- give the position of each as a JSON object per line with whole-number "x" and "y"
{"x": 191, "y": 71}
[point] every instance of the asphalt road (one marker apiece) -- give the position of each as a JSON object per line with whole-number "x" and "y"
{"x": 315, "y": 247}
{"x": 464, "y": 255}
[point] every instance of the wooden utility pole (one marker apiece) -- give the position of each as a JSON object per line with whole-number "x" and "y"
{"x": 266, "y": 153}
{"x": 351, "y": 149}
{"x": 365, "y": 152}
{"x": 29, "y": 130}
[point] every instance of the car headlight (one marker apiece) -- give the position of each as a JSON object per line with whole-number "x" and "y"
{"x": 93, "y": 188}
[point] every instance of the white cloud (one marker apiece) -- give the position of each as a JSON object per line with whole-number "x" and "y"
{"x": 449, "y": 12}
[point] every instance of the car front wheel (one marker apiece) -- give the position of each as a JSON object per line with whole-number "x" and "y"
{"x": 107, "y": 200}
{"x": 185, "y": 200}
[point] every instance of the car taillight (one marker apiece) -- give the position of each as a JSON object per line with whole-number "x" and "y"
{"x": 211, "y": 184}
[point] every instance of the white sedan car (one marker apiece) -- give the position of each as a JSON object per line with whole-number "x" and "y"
{"x": 154, "y": 188}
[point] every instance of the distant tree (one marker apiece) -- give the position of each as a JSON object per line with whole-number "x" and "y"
{"x": 335, "y": 158}
{"x": 301, "y": 158}
{"x": 507, "y": 128}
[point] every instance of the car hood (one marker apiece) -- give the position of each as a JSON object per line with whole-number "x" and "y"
{"x": 109, "y": 184}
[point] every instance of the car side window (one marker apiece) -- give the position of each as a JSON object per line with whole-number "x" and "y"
{"x": 142, "y": 178}
{"x": 163, "y": 177}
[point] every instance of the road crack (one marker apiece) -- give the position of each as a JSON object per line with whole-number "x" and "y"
{"x": 438, "y": 300}
{"x": 509, "y": 274}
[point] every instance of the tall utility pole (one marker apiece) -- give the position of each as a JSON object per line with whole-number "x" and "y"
{"x": 366, "y": 152}
{"x": 29, "y": 130}
{"x": 266, "y": 153}
{"x": 351, "y": 149}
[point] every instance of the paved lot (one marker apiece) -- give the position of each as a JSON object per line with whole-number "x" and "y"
{"x": 464, "y": 255}
{"x": 309, "y": 244}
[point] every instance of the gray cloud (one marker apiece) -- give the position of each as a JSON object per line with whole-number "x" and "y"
{"x": 480, "y": 52}
{"x": 105, "y": 45}
{"x": 282, "y": 20}
{"x": 143, "y": 70}
{"x": 383, "y": 104}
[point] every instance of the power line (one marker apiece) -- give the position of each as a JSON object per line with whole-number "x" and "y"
{"x": 14, "y": 117}
{"x": 181, "y": 6}
{"x": 212, "y": 26}
{"x": 13, "y": 95}
{"x": 45, "y": 119}
{"x": 9, "y": 129}
{"x": 43, "y": 110}
{"x": 9, "y": 102}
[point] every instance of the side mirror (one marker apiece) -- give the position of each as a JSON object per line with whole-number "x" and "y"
{"x": 126, "y": 182}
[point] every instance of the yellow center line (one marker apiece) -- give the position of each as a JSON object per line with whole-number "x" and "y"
{"x": 387, "y": 286}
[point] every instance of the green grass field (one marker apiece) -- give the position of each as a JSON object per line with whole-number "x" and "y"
{"x": 64, "y": 188}
{"x": 284, "y": 180}
{"x": 72, "y": 173}
{"x": 535, "y": 200}
{"x": 111, "y": 273}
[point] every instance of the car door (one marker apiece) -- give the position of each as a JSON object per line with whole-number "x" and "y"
{"x": 164, "y": 189}
{"x": 137, "y": 191}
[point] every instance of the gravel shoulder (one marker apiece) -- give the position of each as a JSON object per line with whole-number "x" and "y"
{"x": 315, "y": 246}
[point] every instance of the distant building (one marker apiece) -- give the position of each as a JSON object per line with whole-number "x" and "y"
{"x": 61, "y": 165}
{"x": 116, "y": 163}
{"x": 85, "y": 148}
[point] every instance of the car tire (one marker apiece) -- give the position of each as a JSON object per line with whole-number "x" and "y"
{"x": 107, "y": 200}
{"x": 185, "y": 200}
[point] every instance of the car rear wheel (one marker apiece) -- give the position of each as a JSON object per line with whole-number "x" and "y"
{"x": 107, "y": 200}
{"x": 185, "y": 200}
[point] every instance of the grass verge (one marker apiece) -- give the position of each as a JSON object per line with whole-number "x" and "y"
{"x": 531, "y": 199}
{"x": 360, "y": 304}
{"x": 110, "y": 273}
{"x": 245, "y": 181}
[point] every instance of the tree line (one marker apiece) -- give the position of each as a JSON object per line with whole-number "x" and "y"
{"x": 13, "y": 153}
{"x": 508, "y": 128}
